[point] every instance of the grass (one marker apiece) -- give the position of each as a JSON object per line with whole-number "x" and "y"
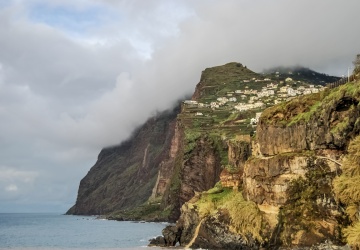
{"x": 191, "y": 136}
{"x": 352, "y": 235}
{"x": 347, "y": 190}
{"x": 305, "y": 116}
{"x": 245, "y": 217}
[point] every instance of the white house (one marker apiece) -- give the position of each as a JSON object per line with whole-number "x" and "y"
{"x": 232, "y": 99}
{"x": 258, "y": 104}
{"x": 214, "y": 105}
{"x": 291, "y": 92}
{"x": 203, "y": 105}
{"x": 283, "y": 89}
{"x": 191, "y": 102}
{"x": 314, "y": 90}
{"x": 301, "y": 88}
{"x": 222, "y": 100}
{"x": 271, "y": 86}
{"x": 256, "y": 119}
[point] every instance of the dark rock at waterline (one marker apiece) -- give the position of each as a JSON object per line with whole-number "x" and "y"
{"x": 158, "y": 241}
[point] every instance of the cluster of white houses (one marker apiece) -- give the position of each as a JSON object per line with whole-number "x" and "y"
{"x": 254, "y": 96}
{"x": 247, "y": 99}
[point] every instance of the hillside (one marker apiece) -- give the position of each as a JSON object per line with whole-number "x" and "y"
{"x": 233, "y": 163}
{"x": 303, "y": 74}
{"x": 283, "y": 187}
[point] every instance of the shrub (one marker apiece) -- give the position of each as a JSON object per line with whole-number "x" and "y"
{"x": 246, "y": 218}
{"x": 352, "y": 234}
{"x": 347, "y": 190}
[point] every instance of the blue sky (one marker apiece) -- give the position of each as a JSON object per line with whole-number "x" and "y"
{"x": 67, "y": 18}
{"x": 76, "y": 76}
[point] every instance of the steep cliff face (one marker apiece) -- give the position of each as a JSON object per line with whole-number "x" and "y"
{"x": 300, "y": 146}
{"x": 124, "y": 175}
{"x": 192, "y": 170}
{"x": 286, "y": 178}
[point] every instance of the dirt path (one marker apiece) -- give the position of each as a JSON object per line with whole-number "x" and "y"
{"x": 327, "y": 158}
{"x": 195, "y": 235}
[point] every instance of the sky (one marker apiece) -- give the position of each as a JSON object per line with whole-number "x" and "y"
{"x": 77, "y": 76}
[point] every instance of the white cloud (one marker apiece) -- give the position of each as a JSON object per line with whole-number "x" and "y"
{"x": 11, "y": 188}
{"x": 8, "y": 174}
{"x": 17, "y": 184}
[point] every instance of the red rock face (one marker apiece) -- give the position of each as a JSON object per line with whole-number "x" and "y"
{"x": 231, "y": 180}
{"x": 201, "y": 171}
{"x": 166, "y": 167}
{"x": 266, "y": 180}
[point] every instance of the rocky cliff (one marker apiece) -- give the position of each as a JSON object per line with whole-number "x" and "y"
{"x": 229, "y": 183}
{"x": 123, "y": 176}
{"x": 284, "y": 195}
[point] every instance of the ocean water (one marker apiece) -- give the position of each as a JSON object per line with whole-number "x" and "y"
{"x": 53, "y": 231}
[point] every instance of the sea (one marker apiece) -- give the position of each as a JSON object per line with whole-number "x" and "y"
{"x": 64, "y": 232}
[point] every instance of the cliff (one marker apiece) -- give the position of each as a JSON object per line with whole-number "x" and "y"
{"x": 124, "y": 175}
{"x": 277, "y": 188}
{"x": 249, "y": 162}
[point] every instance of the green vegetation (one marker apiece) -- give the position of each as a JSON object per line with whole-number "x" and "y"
{"x": 231, "y": 169}
{"x": 191, "y": 137}
{"x": 305, "y": 116}
{"x": 301, "y": 74}
{"x": 301, "y": 211}
{"x": 347, "y": 190}
{"x": 245, "y": 217}
{"x": 298, "y": 109}
{"x": 221, "y": 147}
{"x": 175, "y": 182}
{"x": 149, "y": 211}
{"x": 341, "y": 126}
{"x": 302, "y": 109}
{"x": 230, "y": 73}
